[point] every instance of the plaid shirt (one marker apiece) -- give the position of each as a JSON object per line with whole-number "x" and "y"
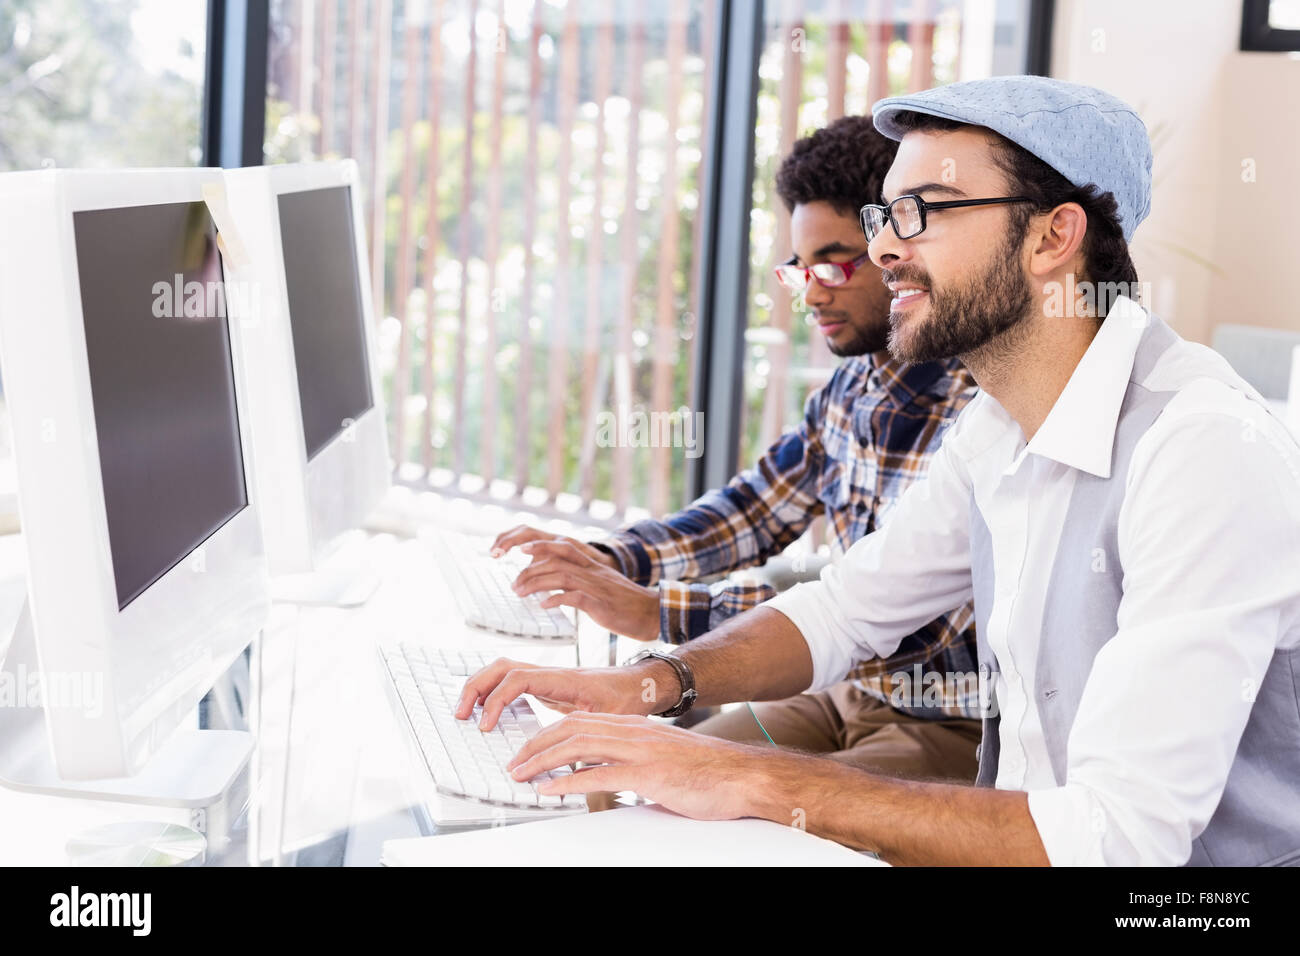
{"x": 865, "y": 437}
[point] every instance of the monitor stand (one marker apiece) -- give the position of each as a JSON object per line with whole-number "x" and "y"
{"x": 194, "y": 769}
{"x": 344, "y": 578}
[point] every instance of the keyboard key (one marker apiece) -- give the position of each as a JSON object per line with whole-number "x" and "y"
{"x": 462, "y": 759}
{"x": 483, "y": 587}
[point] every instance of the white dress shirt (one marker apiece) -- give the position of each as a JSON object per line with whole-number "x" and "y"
{"x": 1209, "y": 541}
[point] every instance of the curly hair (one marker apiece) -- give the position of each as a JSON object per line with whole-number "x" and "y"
{"x": 842, "y": 164}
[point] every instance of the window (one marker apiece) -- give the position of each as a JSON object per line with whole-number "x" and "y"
{"x": 533, "y": 178}
{"x": 101, "y": 82}
{"x": 820, "y": 61}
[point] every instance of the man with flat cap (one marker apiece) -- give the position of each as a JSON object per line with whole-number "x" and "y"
{"x": 1122, "y": 508}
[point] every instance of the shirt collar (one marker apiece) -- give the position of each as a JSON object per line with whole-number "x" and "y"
{"x": 1079, "y": 431}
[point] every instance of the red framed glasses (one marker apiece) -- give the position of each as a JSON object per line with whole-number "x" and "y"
{"x": 796, "y": 278}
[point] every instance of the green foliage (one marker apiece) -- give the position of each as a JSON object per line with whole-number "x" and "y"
{"x": 75, "y": 89}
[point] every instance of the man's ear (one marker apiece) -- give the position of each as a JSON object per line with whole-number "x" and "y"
{"x": 1057, "y": 238}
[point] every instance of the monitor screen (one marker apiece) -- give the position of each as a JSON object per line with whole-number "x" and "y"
{"x": 325, "y": 312}
{"x": 162, "y": 384}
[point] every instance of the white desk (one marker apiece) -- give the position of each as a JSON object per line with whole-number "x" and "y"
{"x": 330, "y": 750}
{"x": 331, "y": 777}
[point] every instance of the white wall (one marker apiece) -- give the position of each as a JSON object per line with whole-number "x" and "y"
{"x": 1215, "y": 248}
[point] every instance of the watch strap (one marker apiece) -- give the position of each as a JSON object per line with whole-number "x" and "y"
{"x": 685, "y": 680}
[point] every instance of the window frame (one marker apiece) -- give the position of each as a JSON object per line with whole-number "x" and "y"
{"x": 234, "y": 87}
{"x": 1258, "y": 37}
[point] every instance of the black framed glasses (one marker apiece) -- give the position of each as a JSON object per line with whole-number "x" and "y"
{"x": 907, "y": 214}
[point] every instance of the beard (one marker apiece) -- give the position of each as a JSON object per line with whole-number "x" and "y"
{"x": 978, "y": 314}
{"x": 865, "y": 341}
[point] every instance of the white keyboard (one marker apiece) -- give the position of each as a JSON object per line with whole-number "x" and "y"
{"x": 462, "y": 760}
{"x": 482, "y": 587}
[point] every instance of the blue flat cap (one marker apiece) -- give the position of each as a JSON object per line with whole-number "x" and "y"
{"x": 1086, "y": 135}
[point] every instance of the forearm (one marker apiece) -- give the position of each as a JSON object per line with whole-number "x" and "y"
{"x": 732, "y": 527}
{"x": 695, "y": 544}
{"x": 905, "y": 822}
{"x": 757, "y": 655}
{"x": 688, "y": 611}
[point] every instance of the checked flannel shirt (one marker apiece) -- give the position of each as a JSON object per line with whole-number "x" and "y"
{"x": 865, "y": 437}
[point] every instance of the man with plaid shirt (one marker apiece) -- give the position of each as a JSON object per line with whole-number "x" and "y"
{"x": 865, "y": 437}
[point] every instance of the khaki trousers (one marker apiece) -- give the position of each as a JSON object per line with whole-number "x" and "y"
{"x": 851, "y": 726}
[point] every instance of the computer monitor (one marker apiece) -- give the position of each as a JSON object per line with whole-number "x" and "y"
{"x": 146, "y": 572}
{"x": 317, "y": 417}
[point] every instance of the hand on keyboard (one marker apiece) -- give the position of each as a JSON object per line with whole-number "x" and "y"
{"x": 523, "y": 534}
{"x": 612, "y": 600}
{"x": 483, "y": 588}
{"x": 642, "y": 689}
{"x": 686, "y": 772}
{"x": 464, "y": 758}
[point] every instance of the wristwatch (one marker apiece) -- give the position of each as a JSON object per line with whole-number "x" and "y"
{"x": 685, "y": 677}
